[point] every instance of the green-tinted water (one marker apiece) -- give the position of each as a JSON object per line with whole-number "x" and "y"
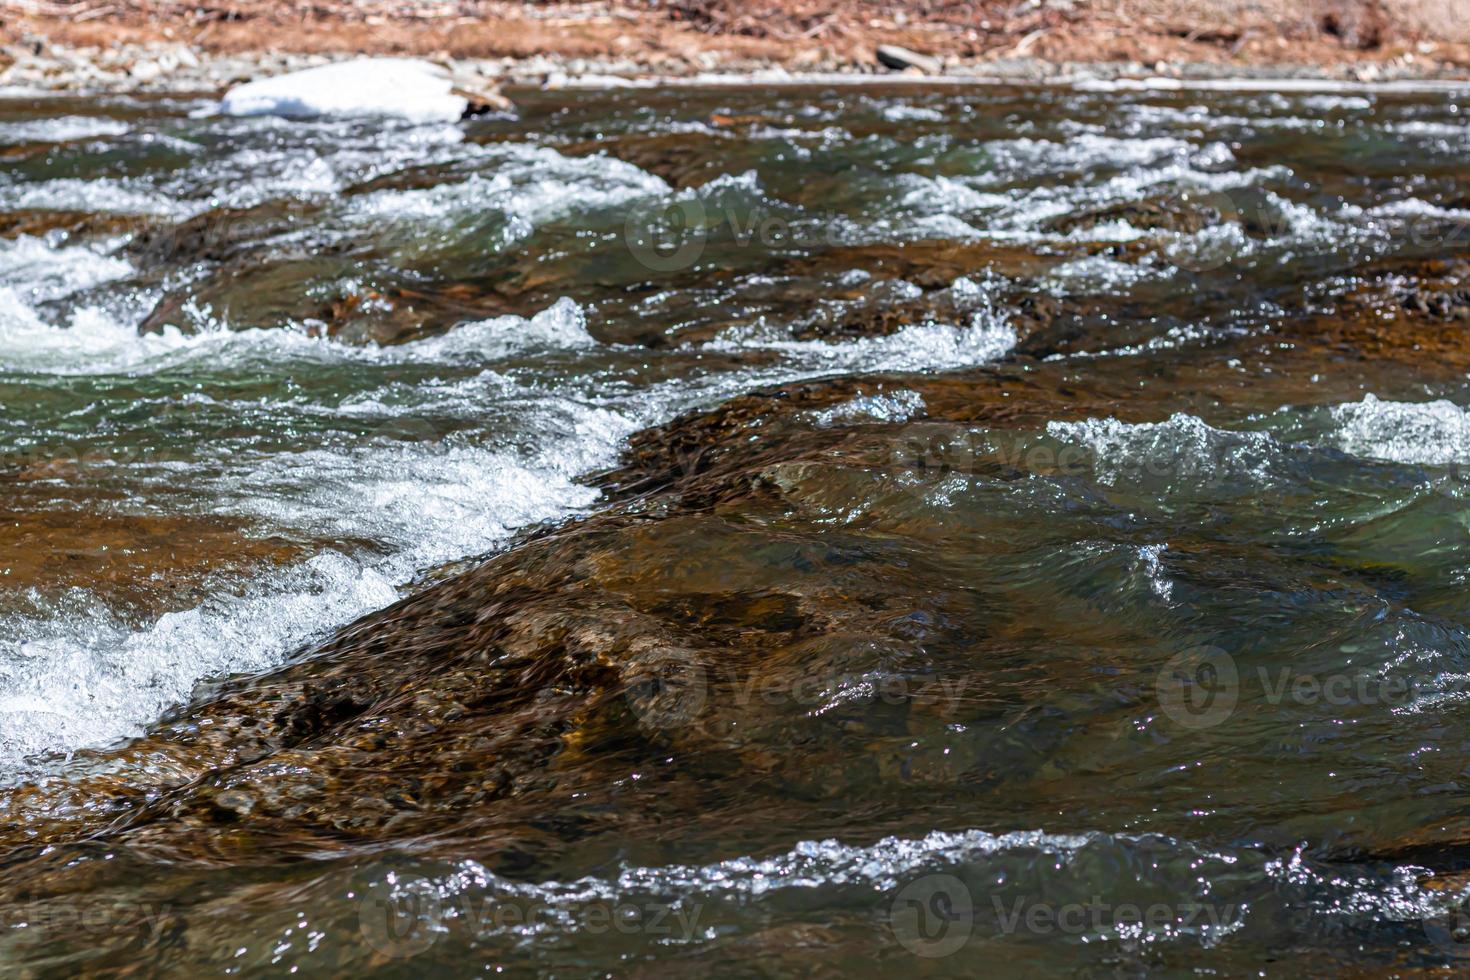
{"x": 959, "y": 530}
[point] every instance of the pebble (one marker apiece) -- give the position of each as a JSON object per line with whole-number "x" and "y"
{"x": 902, "y": 59}
{"x": 36, "y": 63}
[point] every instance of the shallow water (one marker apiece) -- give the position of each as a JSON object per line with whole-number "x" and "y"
{"x": 843, "y": 530}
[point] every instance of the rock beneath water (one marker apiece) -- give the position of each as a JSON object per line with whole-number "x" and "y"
{"x": 401, "y": 87}
{"x": 682, "y": 159}
{"x": 1177, "y": 214}
{"x": 899, "y": 59}
{"x": 482, "y": 99}
{"x": 59, "y": 542}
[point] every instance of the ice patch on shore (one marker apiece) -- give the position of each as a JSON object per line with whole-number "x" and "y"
{"x": 402, "y": 87}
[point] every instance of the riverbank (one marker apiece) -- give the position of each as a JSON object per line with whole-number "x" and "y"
{"x": 120, "y": 47}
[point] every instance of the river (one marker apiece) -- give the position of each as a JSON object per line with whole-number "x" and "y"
{"x": 821, "y": 530}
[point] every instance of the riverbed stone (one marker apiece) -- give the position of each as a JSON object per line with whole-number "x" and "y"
{"x": 902, "y": 59}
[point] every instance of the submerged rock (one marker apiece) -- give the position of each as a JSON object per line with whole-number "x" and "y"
{"x": 79, "y": 224}
{"x": 482, "y": 98}
{"x": 853, "y": 591}
{"x": 245, "y": 266}
{"x": 1439, "y": 292}
{"x": 138, "y": 565}
{"x": 682, "y": 159}
{"x": 1181, "y": 215}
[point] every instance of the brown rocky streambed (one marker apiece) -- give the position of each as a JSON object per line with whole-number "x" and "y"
{"x": 998, "y": 530}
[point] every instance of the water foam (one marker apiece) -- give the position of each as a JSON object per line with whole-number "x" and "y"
{"x": 921, "y": 347}
{"x": 101, "y": 194}
{"x": 981, "y": 876}
{"x": 896, "y": 406}
{"x": 1433, "y": 433}
{"x": 561, "y": 326}
{"x": 1183, "y": 450}
{"x": 532, "y": 185}
{"x": 36, "y": 271}
{"x": 73, "y": 676}
{"x": 61, "y": 129}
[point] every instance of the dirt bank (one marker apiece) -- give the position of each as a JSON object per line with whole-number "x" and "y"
{"x": 132, "y": 43}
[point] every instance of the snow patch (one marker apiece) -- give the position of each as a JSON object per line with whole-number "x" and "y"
{"x": 364, "y": 87}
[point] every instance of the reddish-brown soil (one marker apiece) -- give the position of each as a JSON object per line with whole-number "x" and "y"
{"x": 1418, "y": 34}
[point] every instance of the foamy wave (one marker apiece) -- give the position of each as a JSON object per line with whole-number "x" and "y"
{"x": 1413, "y": 207}
{"x": 78, "y": 678}
{"x": 103, "y": 194}
{"x": 427, "y": 501}
{"x": 97, "y": 341}
{"x": 1097, "y": 272}
{"x": 561, "y": 326}
{"x": 71, "y": 678}
{"x": 922, "y": 347}
{"x": 943, "y": 194}
{"x": 897, "y": 406}
{"x": 1429, "y": 433}
{"x": 1183, "y": 450}
{"x": 528, "y": 186}
{"x": 904, "y": 112}
{"x": 61, "y": 129}
{"x": 980, "y": 876}
{"x": 422, "y": 500}
{"x": 91, "y": 341}
{"x": 36, "y": 272}
{"x": 1084, "y": 152}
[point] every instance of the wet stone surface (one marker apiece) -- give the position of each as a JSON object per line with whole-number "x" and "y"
{"x": 686, "y": 531}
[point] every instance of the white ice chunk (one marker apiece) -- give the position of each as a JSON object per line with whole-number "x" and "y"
{"x": 404, "y": 87}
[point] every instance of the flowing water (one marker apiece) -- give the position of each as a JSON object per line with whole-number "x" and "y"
{"x": 819, "y": 531}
